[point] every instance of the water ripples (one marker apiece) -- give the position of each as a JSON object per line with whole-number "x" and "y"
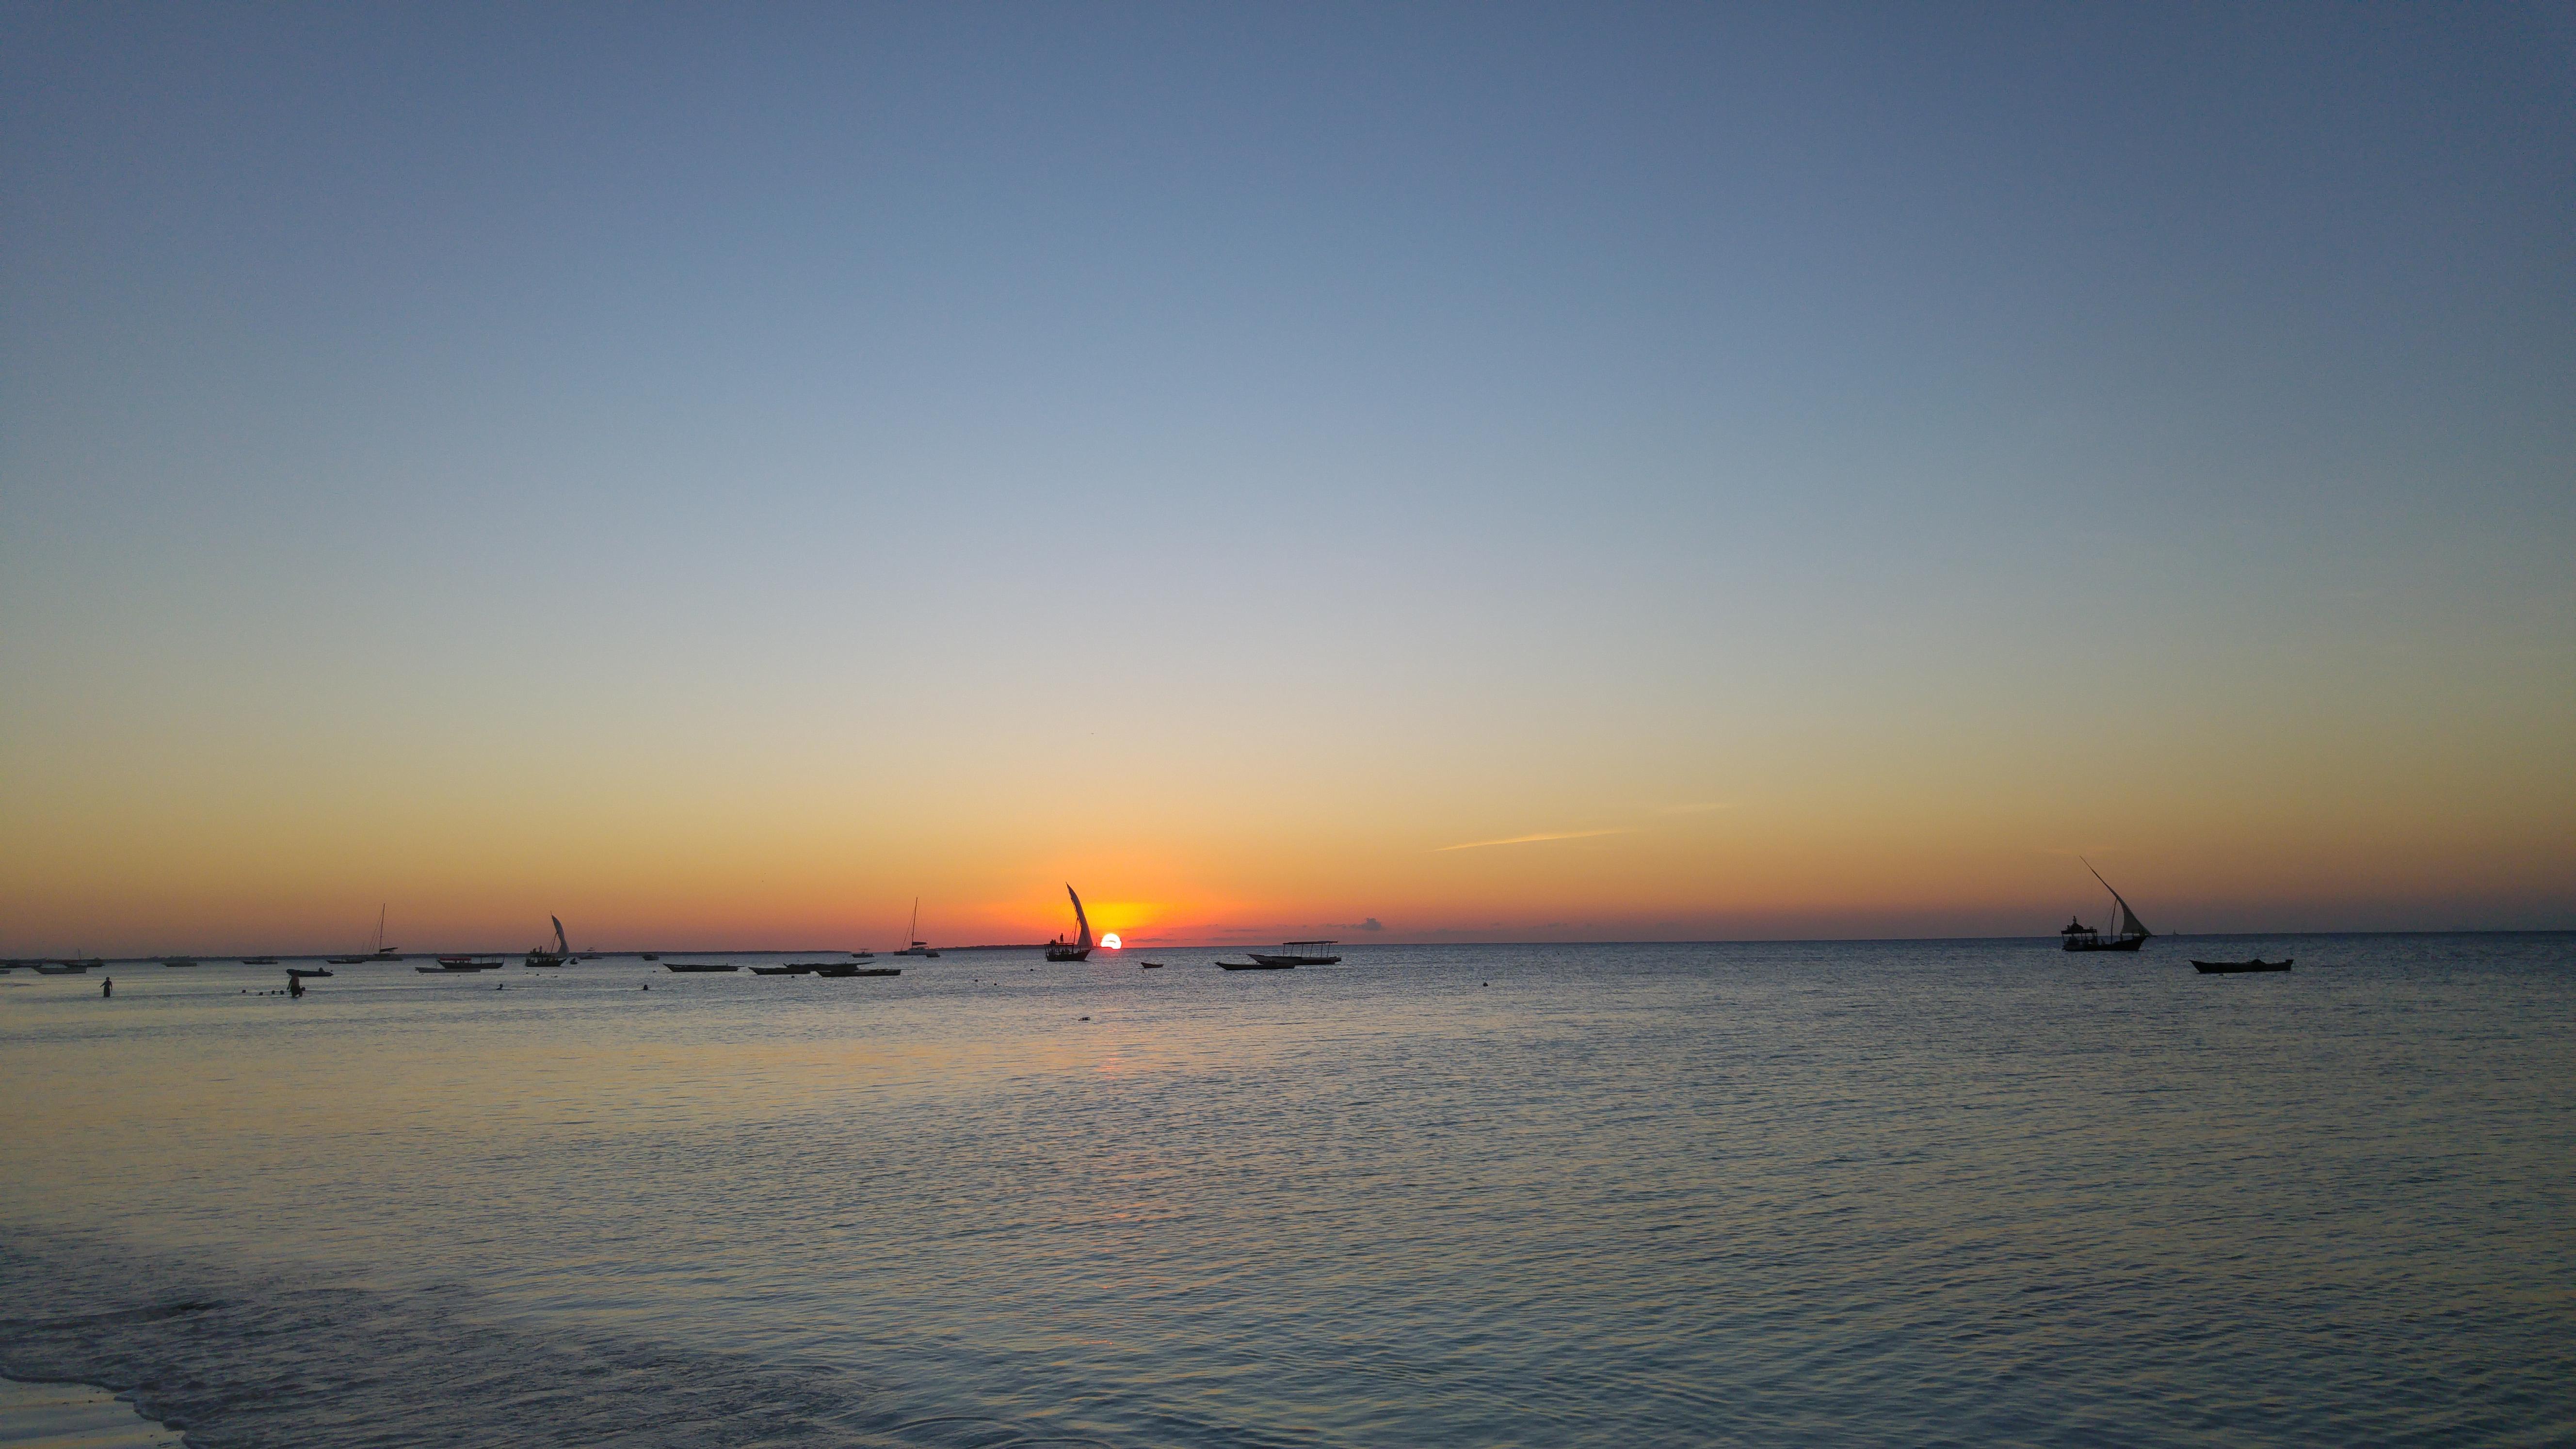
{"x": 1911, "y": 1193}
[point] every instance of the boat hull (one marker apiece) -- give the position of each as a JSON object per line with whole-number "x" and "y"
{"x": 1287, "y": 961}
{"x": 2240, "y": 968}
{"x": 1060, "y": 953}
{"x": 844, "y": 972}
{"x": 1257, "y": 964}
{"x": 687, "y": 969}
{"x": 2130, "y": 943}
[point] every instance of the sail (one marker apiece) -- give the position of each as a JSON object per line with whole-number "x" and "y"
{"x": 560, "y": 948}
{"x": 2130, "y": 925}
{"x": 1085, "y": 942}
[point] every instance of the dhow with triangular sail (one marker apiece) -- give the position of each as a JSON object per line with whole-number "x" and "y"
{"x": 540, "y": 956}
{"x": 1060, "y": 949}
{"x": 2128, "y": 935}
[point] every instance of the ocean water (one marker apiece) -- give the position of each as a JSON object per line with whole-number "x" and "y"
{"x": 1972, "y": 1193}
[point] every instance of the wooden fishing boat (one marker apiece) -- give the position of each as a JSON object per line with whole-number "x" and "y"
{"x": 839, "y": 969}
{"x": 1149, "y": 965}
{"x": 300, "y": 971}
{"x": 1261, "y": 963}
{"x": 2129, "y": 935}
{"x": 540, "y": 956}
{"x": 1299, "y": 953}
{"x": 2238, "y": 968}
{"x": 1061, "y": 949}
{"x": 804, "y": 970}
{"x": 698, "y": 966}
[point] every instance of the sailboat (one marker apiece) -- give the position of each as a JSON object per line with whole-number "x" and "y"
{"x": 1060, "y": 949}
{"x": 382, "y": 952}
{"x": 2130, "y": 935}
{"x": 540, "y": 956}
{"x": 917, "y": 948}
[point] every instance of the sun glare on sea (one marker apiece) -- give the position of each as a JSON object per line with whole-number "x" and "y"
{"x": 1109, "y": 942}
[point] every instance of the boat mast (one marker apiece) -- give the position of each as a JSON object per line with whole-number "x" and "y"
{"x": 1081, "y": 919}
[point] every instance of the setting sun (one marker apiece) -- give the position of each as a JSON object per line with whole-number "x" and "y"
{"x": 1109, "y": 942}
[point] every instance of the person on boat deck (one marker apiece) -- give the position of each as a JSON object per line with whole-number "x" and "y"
{"x": 2074, "y": 923}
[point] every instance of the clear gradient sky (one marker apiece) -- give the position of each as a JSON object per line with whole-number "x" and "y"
{"x": 715, "y": 473}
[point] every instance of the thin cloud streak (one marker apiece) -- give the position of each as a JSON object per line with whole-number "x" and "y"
{"x": 1531, "y": 839}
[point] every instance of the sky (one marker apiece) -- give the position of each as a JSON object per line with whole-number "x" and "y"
{"x": 1419, "y": 473}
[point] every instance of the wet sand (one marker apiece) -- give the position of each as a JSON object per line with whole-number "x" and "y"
{"x": 74, "y": 1416}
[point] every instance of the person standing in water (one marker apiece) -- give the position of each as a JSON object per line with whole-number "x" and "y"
{"x": 107, "y": 987}
{"x": 295, "y": 986}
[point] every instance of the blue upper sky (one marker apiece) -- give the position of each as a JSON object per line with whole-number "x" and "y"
{"x": 1720, "y": 370}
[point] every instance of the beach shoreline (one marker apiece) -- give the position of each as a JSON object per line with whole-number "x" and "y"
{"x": 92, "y": 1417}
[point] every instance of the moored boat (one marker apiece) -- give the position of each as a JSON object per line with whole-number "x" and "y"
{"x": 839, "y": 969}
{"x": 466, "y": 963}
{"x": 917, "y": 948}
{"x": 1298, "y": 953}
{"x": 686, "y": 967}
{"x": 1260, "y": 963}
{"x": 2238, "y": 968}
{"x": 303, "y": 971}
{"x": 802, "y": 969}
{"x": 259, "y": 960}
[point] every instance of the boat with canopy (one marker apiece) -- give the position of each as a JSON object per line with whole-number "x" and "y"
{"x": 2129, "y": 934}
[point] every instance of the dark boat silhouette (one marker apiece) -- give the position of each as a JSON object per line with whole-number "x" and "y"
{"x": 178, "y": 961}
{"x": 540, "y": 956}
{"x": 917, "y": 948}
{"x": 2238, "y": 968}
{"x": 301, "y": 971}
{"x": 804, "y": 970}
{"x": 845, "y": 969}
{"x": 1289, "y": 955}
{"x": 1149, "y": 965}
{"x": 689, "y": 966}
{"x": 259, "y": 960}
{"x": 2130, "y": 934}
{"x": 1261, "y": 963}
{"x": 1061, "y": 949}
{"x": 382, "y": 952}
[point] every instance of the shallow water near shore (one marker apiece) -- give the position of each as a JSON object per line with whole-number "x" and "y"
{"x": 1881, "y": 1193}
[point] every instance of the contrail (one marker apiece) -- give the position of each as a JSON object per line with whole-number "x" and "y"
{"x": 1528, "y": 839}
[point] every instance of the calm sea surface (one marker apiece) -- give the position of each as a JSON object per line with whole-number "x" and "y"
{"x": 1975, "y": 1193}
